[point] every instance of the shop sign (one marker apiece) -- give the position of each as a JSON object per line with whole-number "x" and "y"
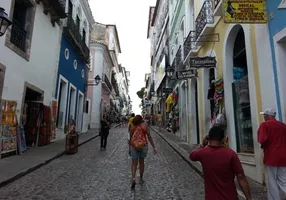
{"x": 245, "y": 11}
{"x": 202, "y": 62}
{"x": 186, "y": 74}
{"x": 167, "y": 90}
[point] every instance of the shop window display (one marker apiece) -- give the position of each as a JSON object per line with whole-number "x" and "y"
{"x": 241, "y": 101}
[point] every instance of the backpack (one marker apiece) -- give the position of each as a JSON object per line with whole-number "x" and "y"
{"x": 138, "y": 139}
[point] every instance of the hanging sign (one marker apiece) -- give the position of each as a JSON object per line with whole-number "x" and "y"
{"x": 186, "y": 74}
{"x": 245, "y": 11}
{"x": 202, "y": 62}
{"x": 167, "y": 90}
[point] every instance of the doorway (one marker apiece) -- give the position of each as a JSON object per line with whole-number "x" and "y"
{"x": 62, "y": 101}
{"x": 79, "y": 115}
{"x": 241, "y": 100}
{"x": 71, "y": 105}
{"x": 33, "y": 110}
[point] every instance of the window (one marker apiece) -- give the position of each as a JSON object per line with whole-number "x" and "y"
{"x": 67, "y": 53}
{"x": 82, "y": 73}
{"x": 75, "y": 64}
{"x": 87, "y": 106}
{"x": 77, "y": 22}
{"x": 20, "y": 34}
{"x": 83, "y": 35}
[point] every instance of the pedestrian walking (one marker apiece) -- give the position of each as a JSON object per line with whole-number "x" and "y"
{"x": 139, "y": 136}
{"x": 104, "y": 132}
{"x": 272, "y": 137}
{"x": 130, "y": 121}
{"x": 220, "y": 166}
{"x": 159, "y": 120}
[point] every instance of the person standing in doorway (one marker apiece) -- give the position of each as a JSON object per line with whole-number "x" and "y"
{"x": 139, "y": 134}
{"x": 104, "y": 132}
{"x": 220, "y": 166}
{"x": 272, "y": 137}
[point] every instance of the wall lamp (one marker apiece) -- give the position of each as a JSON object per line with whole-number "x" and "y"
{"x": 97, "y": 80}
{"x": 4, "y": 21}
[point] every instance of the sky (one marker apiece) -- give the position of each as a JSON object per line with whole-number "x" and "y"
{"x": 131, "y": 20}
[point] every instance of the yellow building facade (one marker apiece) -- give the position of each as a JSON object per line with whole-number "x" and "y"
{"x": 243, "y": 61}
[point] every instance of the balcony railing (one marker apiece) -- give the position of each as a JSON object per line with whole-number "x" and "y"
{"x": 189, "y": 43}
{"x": 204, "y": 17}
{"x": 216, "y": 3}
{"x": 201, "y": 20}
{"x": 179, "y": 56}
{"x": 73, "y": 34}
{"x": 18, "y": 36}
{"x": 107, "y": 82}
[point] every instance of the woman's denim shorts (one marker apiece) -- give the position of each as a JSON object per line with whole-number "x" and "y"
{"x": 142, "y": 153}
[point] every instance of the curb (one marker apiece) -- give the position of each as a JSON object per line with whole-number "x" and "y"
{"x": 190, "y": 163}
{"x": 34, "y": 168}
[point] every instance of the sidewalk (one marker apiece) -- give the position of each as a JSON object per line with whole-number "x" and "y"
{"x": 183, "y": 148}
{"x": 15, "y": 167}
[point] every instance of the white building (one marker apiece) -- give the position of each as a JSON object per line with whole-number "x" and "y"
{"x": 104, "y": 51}
{"x": 29, "y": 57}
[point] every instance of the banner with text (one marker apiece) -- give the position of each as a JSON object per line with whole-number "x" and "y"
{"x": 245, "y": 11}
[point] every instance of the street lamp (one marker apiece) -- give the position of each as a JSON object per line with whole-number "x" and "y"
{"x": 4, "y": 21}
{"x": 97, "y": 79}
{"x": 170, "y": 71}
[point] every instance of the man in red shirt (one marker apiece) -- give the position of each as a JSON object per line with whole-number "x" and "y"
{"x": 220, "y": 166}
{"x": 272, "y": 137}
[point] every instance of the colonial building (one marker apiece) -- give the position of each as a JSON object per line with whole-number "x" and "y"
{"x": 158, "y": 33}
{"x": 105, "y": 48}
{"x": 219, "y": 67}
{"x": 73, "y": 66}
{"x": 29, "y": 60}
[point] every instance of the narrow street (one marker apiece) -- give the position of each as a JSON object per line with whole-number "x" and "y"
{"x": 93, "y": 174}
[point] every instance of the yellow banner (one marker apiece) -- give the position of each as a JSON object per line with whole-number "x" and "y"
{"x": 245, "y": 11}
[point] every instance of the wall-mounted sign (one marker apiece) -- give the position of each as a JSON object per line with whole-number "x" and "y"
{"x": 167, "y": 90}
{"x": 202, "y": 62}
{"x": 245, "y": 11}
{"x": 186, "y": 74}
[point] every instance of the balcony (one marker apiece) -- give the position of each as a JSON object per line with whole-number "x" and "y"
{"x": 18, "y": 36}
{"x": 71, "y": 30}
{"x": 55, "y": 8}
{"x": 114, "y": 84}
{"x": 106, "y": 83}
{"x": 189, "y": 44}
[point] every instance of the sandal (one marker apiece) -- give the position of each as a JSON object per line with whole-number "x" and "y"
{"x": 133, "y": 185}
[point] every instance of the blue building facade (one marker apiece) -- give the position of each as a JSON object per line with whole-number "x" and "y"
{"x": 277, "y": 32}
{"x": 70, "y": 87}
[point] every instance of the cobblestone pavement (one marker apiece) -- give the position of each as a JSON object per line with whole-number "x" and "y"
{"x": 94, "y": 175}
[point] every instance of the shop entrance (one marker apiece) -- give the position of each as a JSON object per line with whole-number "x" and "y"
{"x": 62, "y": 101}
{"x": 241, "y": 100}
{"x": 33, "y": 110}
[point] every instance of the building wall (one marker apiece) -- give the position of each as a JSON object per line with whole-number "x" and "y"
{"x": 41, "y": 68}
{"x": 94, "y": 92}
{"x": 277, "y": 12}
{"x": 75, "y": 75}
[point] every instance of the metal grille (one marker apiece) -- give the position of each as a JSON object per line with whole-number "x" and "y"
{"x": 18, "y": 36}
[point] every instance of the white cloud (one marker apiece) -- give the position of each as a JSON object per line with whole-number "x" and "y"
{"x": 131, "y": 19}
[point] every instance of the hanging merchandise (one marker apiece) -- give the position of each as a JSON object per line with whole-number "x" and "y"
{"x": 8, "y": 127}
{"x": 169, "y": 101}
{"x": 219, "y": 89}
{"x": 175, "y": 98}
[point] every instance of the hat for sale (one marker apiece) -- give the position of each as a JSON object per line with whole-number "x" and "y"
{"x": 269, "y": 111}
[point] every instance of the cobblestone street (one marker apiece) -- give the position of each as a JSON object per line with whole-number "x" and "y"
{"x": 93, "y": 174}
